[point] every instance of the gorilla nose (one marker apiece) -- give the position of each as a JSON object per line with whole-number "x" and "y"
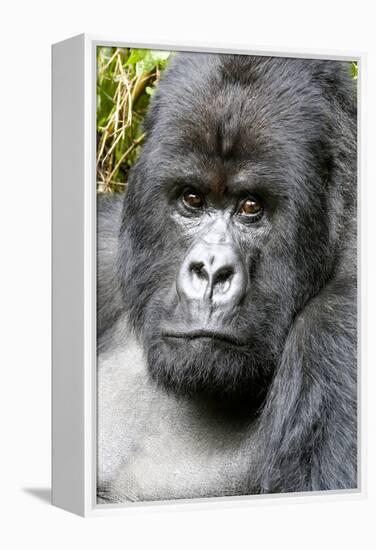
{"x": 212, "y": 273}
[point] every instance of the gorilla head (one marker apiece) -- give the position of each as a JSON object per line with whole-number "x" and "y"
{"x": 235, "y": 216}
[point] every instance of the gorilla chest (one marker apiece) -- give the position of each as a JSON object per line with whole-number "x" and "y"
{"x": 153, "y": 446}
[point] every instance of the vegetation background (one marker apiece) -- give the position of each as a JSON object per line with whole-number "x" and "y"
{"x": 126, "y": 80}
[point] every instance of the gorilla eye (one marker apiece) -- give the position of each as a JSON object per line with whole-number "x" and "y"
{"x": 250, "y": 208}
{"x": 193, "y": 199}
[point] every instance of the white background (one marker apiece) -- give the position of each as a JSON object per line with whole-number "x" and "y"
{"x": 27, "y": 30}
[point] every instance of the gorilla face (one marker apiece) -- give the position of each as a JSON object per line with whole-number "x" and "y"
{"x": 227, "y": 225}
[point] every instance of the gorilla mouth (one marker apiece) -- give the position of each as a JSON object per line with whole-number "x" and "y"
{"x": 205, "y": 334}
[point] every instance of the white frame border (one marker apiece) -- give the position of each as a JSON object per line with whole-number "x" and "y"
{"x": 85, "y": 502}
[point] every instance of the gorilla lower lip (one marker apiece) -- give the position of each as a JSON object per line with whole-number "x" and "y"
{"x": 205, "y": 334}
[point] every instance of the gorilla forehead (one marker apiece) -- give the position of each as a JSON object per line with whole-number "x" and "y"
{"x": 266, "y": 122}
{"x": 255, "y": 104}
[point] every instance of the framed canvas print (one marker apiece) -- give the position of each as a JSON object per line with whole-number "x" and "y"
{"x": 205, "y": 294}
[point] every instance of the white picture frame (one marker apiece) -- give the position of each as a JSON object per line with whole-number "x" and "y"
{"x": 74, "y": 276}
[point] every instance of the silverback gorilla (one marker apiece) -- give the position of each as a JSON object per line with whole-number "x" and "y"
{"x": 227, "y": 287}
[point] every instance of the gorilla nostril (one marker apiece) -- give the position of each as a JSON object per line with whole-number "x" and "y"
{"x": 198, "y": 269}
{"x": 223, "y": 275}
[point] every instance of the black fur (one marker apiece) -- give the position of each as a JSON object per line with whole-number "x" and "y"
{"x": 290, "y": 124}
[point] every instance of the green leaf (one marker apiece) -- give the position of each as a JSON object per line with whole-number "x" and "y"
{"x": 136, "y": 56}
{"x": 354, "y": 70}
{"x": 159, "y": 55}
{"x": 106, "y": 53}
{"x": 146, "y": 65}
{"x": 140, "y": 68}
